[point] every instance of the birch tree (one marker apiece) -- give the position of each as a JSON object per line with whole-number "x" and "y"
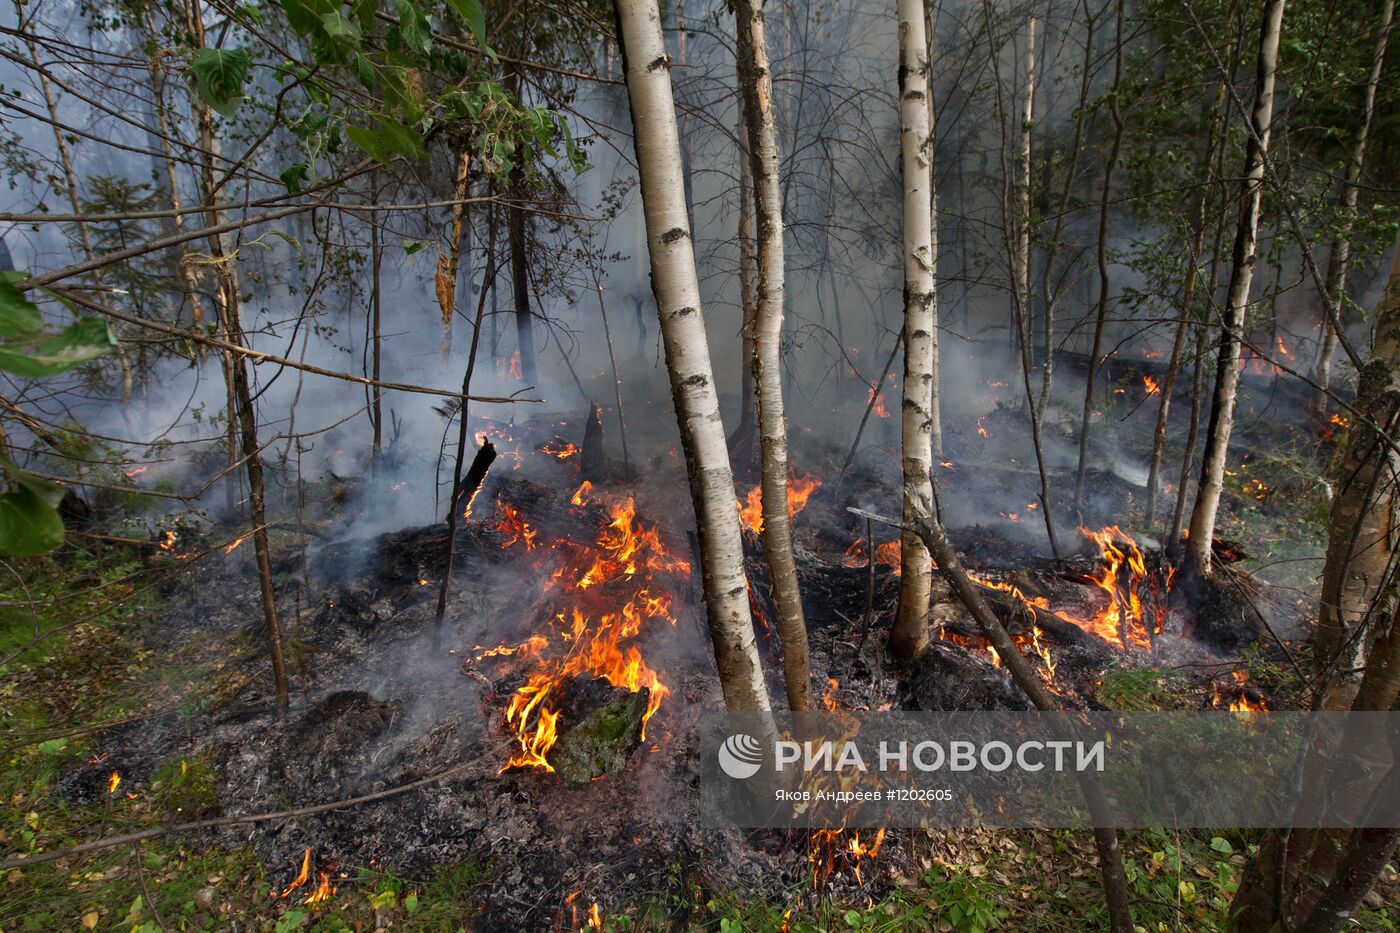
{"x": 909, "y": 636}
{"x": 756, "y": 84}
{"x": 676, "y": 289}
{"x": 1242, "y": 256}
{"x": 1339, "y": 260}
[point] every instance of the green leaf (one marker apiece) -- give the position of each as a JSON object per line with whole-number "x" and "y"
{"x": 470, "y": 11}
{"x": 293, "y": 175}
{"x": 18, "y": 315}
{"x": 218, "y": 77}
{"x": 339, "y": 27}
{"x": 400, "y": 139}
{"x": 29, "y": 520}
{"x": 412, "y": 246}
{"x": 1221, "y": 845}
{"x": 368, "y": 141}
{"x": 82, "y": 341}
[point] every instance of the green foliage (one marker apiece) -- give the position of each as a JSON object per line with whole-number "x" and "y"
{"x": 218, "y": 76}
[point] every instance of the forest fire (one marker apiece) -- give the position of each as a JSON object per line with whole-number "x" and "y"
{"x": 599, "y": 596}
{"x": 878, "y": 398}
{"x": 982, "y": 425}
{"x": 1150, "y": 386}
{"x": 559, "y": 449}
{"x": 799, "y": 491}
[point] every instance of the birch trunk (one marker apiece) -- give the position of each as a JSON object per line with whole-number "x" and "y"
{"x": 1361, "y": 528}
{"x": 1338, "y": 263}
{"x": 935, "y": 410}
{"x": 677, "y": 292}
{"x": 1227, "y": 375}
{"x": 1022, "y": 258}
{"x": 1188, "y": 296}
{"x": 741, "y": 440}
{"x": 756, "y": 84}
{"x": 909, "y": 635}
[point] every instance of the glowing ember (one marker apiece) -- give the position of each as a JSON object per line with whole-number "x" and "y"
{"x": 1240, "y": 701}
{"x": 1151, "y": 386}
{"x": 136, "y": 472}
{"x": 422, "y": 581}
{"x": 1339, "y": 420}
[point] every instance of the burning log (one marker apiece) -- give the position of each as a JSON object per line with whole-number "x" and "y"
{"x": 609, "y": 729}
{"x": 476, "y": 475}
{"x": 593, "y": 461}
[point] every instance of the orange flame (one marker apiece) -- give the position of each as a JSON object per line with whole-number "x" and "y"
{"x": 799, "y": 490}
{"x": 236, "y": 542}
{"x": 323, "y": 891}
{"x": 598, "y": 639}
{"x": 510, "y": 523}
{"x": 580, "y": 498}
{"x": 1151, "y": 385}
{"x": 982, "y": 425}
{"x": 559, "y": 449}
{"x": 879, "y": 398}
{"x": 114, "y": 782}
{"x": 301, "y": 877}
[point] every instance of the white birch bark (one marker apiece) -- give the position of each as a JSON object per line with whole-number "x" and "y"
{"x": 909, "y": 636}
{"x": 1227, "y": 376}
{"x": 756, "y": 84}
{"x": 677, "y": 292}
{"x": 1339, "y": 261}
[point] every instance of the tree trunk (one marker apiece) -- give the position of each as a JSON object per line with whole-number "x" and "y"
{"x": 446, "y": 278}
{"x": 242, "y": 417}
{"x": 1052, "y": 247}
{"x": 519, "y": 277}
{"x": 1340, "y": 259}
{"x": 188, "y": 281}
{"x": 909, "y": 635}
{"x": 376, "y": 405}
{"x": 1361, "y": 529}
{"x": 1188, "y": 295}
{"x": 1227, "y": 374}
{"x": 741, "y": 440}
{"x": 756, "y": 84}
{"x": 676, "y": 289}
{"x": 1101, "y": 312}
{"x": 1021, "y": 259}
{"x": 935, "y": 408}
